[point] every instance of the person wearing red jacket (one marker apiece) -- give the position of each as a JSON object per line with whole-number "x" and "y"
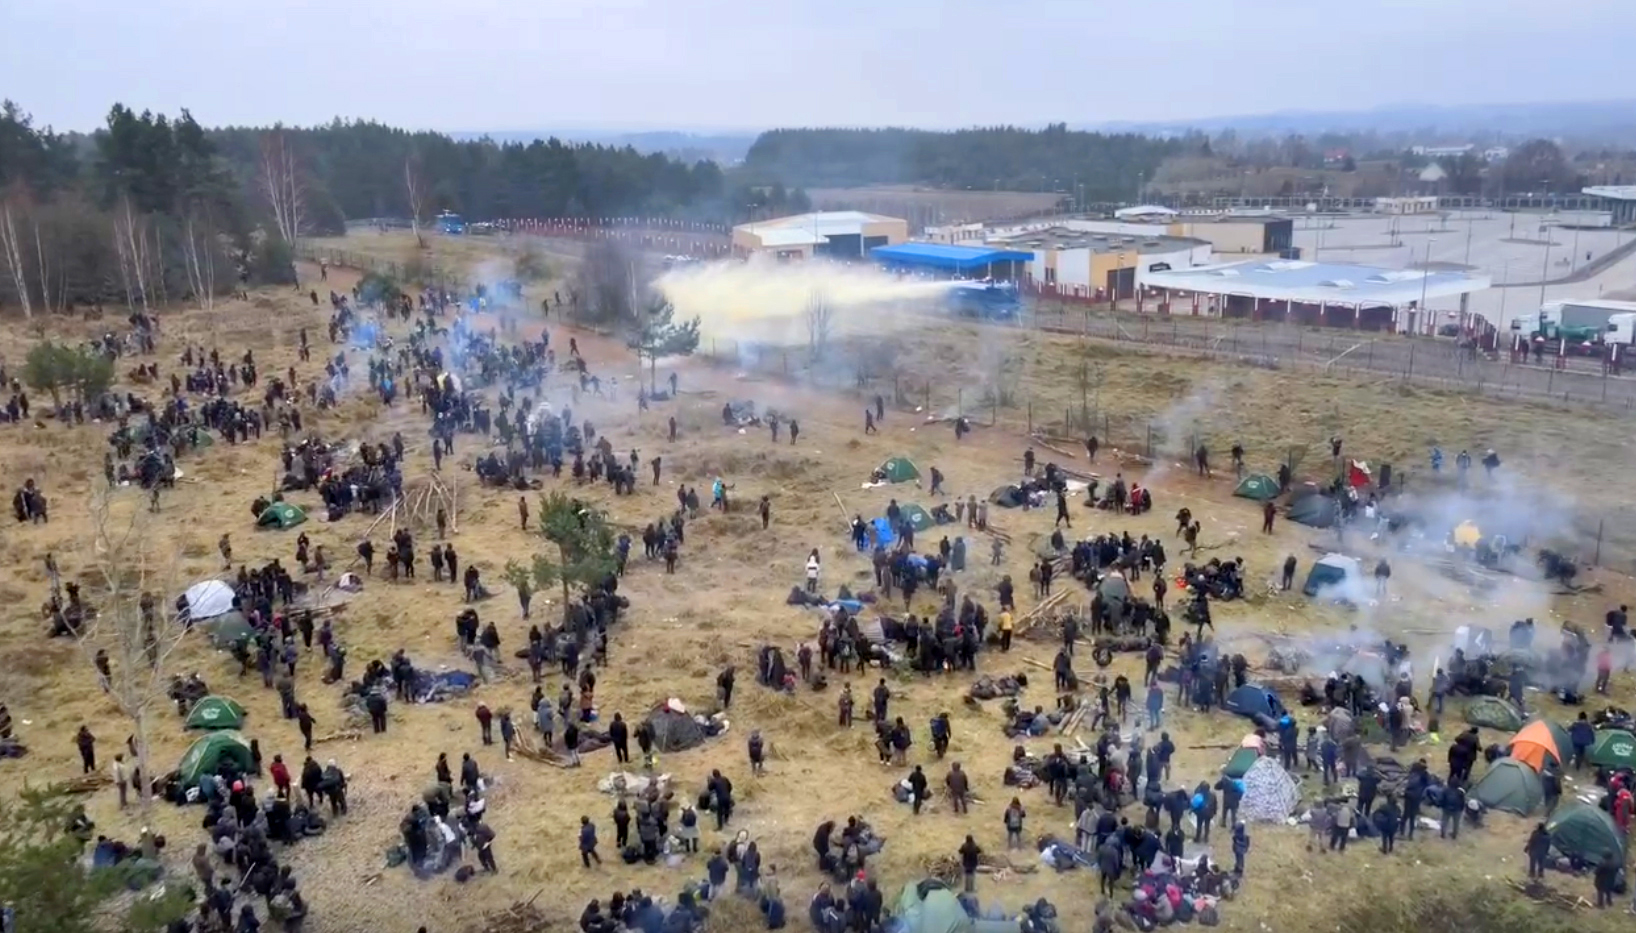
{"x": 281, "y": 776}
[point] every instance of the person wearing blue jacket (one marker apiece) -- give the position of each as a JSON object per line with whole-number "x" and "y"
{"x": 1241, "y": 847}
{"x": 1583, "y": 735}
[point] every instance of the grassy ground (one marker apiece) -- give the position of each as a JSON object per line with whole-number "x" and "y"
{"x": 727, "y": 598}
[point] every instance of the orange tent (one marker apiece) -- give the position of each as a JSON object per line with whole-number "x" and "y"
{"x": 1534, "y": 743}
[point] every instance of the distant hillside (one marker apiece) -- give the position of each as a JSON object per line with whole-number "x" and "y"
{"x": 1606, "y": 121}
{"x": 1102, "y": 166}
{"x": 725, "y": 148}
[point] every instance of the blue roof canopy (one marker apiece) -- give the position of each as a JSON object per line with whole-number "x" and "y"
{"x": 946, "y": 256}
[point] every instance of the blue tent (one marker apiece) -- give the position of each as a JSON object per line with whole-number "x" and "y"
{"x": 1254, "y": 702}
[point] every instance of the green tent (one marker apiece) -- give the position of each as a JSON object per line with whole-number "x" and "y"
{"x": 1580, "y": 830}
{"x": 1257, "y": 486}
{"x": 1510, "y": 785}
{"x": 281, "y": 515}
{"x": 1614, "y": 748}
{"x": 1240, "y": 763}
{"x": 207, "y": 754}
{"x": 897, "y": 470}
{"x": 214, "y": 712}
{"x": 917, "y": 518}
{"x": 1493, "y": 713}
{"x": 226, "y": 629}
{"x": 1315, "y": 509}
{"x": 930, "y": 907}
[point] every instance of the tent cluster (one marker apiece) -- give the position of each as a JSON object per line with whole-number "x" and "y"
{"x": 1512, "y": 784}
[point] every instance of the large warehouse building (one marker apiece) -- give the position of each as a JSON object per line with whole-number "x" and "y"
{"x": 834, "y": 234}
{"x": 1313, "y": 293}
{"x": 1075, "y": 264}
{"x": 1267, "y": 234}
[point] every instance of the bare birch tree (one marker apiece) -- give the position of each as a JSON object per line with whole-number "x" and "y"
{"x": 416, "y": 188}
{"x": 199, "y": 254}
{"x": 41, "y": 265}
{"x": 820, "y": 318}
{"x": 282, "y": 185}
{"x": 131, "y": 243}
{"x": 129, "y": 622}
{"x": 11, "y": 255}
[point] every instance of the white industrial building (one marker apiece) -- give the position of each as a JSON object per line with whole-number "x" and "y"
{"x": 836, "y": 234}
{"x": 1079, "y": 264}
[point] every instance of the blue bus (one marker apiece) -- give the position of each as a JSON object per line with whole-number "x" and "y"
{"x": 987, "y": 301}
{"x": 450, "y": 223}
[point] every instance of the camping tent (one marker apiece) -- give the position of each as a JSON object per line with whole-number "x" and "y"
{"x": 281, "y": 515}
{"x": 1580, "y": 830}
{"x": 207, "y": 754}
{"x": 1115, "y": 592}
{"x": 1314, "y": 509}
{"x": 1510, "y": 785}
{"x": 1493, "y": 713}
{"x": 1614, "y": 748}
{"x": 1007, "y": 497}
{"x": 898, "y": 470}
{"x": 1538, "y": 741}
{"x": 930, "y": 907}
{"x": 916, "y": 517}
{"x": 208, "y": 598}
{"x": 1270, "y": 794}
{"x": 215, "y": 712}
{"x": 1242, "y": 760}
{"x": 226, "y": 629}
{"x": 1254, "y": 701}
{"x": 1257, "y": 486}
{"x": 674, "y": 731}
{"x": 1336, "y": 576}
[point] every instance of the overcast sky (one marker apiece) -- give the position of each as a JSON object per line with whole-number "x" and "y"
{"x": 750, "y": 64}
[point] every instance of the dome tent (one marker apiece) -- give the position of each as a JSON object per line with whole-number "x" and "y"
{"x": 1315, "y": 510}
{"x": 1511, "y": 786}
{"x": 674, "y": 730}
{"x": 281, "y": 515}
{"x": 226, "y": 629}
{"x": 897, "y": 470}
{"x": 1493, "y": 713}
{"x": 206, "y": 755}
{"x": 216, "y": 712}
{"x": 1579, "y": 830}
{"x": 1538, "y": 742}
{"x": 1614, "y": 748}
{"x": 1336, "y": 577}
{"x": 208, "y": 599}
{"x": 1257, "y": 486}
{"x": 1270, "y": 794}
{"x": 930, "y": 907}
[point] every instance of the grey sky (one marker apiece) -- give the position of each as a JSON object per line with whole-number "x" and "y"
{"x": 714, "y": 64}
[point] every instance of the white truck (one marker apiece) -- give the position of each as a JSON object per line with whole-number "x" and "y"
{"x": 1580, "y": 324}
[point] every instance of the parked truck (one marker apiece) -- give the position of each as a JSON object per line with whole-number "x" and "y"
{"x": 1582, "y": 325}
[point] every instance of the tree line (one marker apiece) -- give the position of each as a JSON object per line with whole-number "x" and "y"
{"x": 151, "y": 208}
{"x": 1093, "y": 166}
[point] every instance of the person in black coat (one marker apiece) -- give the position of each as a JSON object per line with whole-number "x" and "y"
{"x": 619, "y": 738}
{"x": 587, "y": 842}
{"x": 1538, "y": 849}
{"x": 1387, "y": 822}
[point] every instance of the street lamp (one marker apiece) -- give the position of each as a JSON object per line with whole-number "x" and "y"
{"x": 1425, "y": 278}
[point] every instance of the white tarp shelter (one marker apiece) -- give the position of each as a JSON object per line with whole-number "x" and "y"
{"x": 208, "y": 599}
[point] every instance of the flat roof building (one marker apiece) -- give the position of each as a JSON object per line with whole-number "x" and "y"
{"x": 953, "y": 261}
{"x": 1621, "y": 201}
{"x": 835, "y": 234}
{"x": 1322, "y": 293}
{"x": 1073, "y": 263}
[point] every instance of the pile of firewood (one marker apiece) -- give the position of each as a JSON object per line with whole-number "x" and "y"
{"x": 520, "y": 917}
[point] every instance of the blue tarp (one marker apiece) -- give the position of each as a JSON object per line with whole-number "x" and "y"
{"x": 429, "y": 687}
{"x": 945, "y": 256}
{"x": 884, "y": 535}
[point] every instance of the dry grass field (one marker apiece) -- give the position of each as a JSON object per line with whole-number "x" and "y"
{"x": 728, "y": 597}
